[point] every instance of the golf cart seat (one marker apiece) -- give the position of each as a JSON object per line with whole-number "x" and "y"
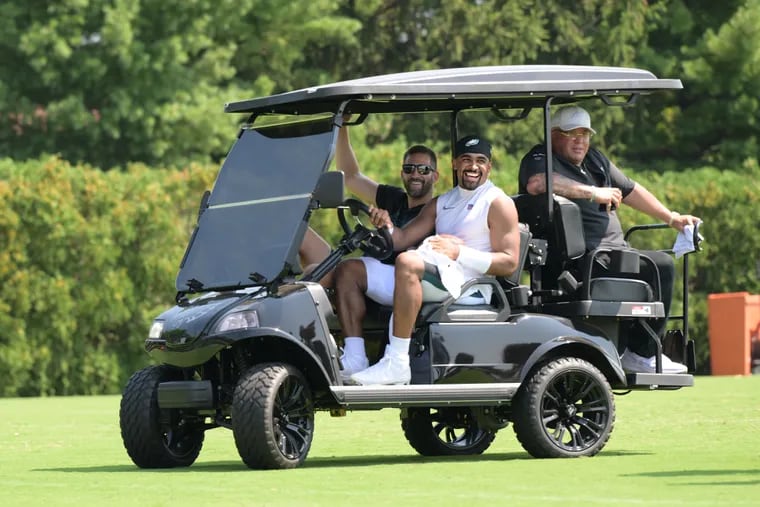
{"x": 570, "y": 273}
{"x": 507, "y": 294}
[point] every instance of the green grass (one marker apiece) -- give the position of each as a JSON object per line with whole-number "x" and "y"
{"x": 693, "y": 447}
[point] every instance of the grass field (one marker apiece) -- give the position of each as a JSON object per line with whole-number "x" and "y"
{"x": 693, "y": 447}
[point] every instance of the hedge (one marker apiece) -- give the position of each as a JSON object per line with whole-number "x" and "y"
{"x": 88, "y": 258}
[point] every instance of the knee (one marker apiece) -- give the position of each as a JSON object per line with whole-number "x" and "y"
{"x": 350, "y": 273}
{"x": 409, "y": 263}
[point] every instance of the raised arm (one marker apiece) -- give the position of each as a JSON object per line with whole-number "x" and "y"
{"x": 345, "y": 161}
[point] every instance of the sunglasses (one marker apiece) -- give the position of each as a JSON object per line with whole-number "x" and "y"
{"x": 584, "y": 134}
{"x": 422, "y": 169}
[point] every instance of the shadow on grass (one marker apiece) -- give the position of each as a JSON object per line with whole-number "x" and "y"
{"x": 716, "y": 475}
{"x": 324, "y": 462}
{"x": 372, "y": 460}
{"x": 310, "y": 463}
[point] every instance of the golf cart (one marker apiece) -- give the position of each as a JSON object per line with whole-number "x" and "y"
{"x": 249, "y": 344}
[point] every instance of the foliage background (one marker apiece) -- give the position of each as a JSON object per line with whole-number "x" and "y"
{"x": 111, "y": 128}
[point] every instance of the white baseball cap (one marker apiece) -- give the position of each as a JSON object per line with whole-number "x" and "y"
{"x": 572, "y": 117}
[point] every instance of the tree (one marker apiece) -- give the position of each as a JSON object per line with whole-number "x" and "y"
{"x": 112, "y": 81}
{"x": 718, "y": 120}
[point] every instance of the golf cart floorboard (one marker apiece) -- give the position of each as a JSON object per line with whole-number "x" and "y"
{"x": 659, "y": 380}
{"x": 425, "y": 395}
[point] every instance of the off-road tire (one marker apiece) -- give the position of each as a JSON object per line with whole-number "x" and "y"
{"x": 565, "y": 409}
{"x": 445, "y": 431}
{"x": 155, "y": 438}
{"x": 273, "y": 417}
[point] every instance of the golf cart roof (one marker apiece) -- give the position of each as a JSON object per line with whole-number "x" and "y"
{"x": 251, "y": 225}
{"x": 501, "y": 87}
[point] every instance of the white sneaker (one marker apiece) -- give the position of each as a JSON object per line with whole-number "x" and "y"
{"x": 634, "y": 363}
{"x": 351, "y": 365}
{"x": 388, "y": 370}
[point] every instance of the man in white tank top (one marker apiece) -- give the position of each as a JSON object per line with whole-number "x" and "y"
{"x": 477, "y": 234}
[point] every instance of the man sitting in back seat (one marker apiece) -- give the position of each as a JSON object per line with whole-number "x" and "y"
{"x": 587, "y": 177}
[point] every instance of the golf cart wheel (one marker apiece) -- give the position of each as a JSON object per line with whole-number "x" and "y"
{"x": 153, "y": 437}
{"x": 445, "y": 431}
{"x": 272, "y": 417}
{"x": 564, "y": 410}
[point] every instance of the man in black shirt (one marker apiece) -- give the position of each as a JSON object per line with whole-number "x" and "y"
{"x": 418, "y": 175}
{"x": 584, "y": 175}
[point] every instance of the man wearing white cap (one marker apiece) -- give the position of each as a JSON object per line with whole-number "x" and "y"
{"x": 586, "y": 176}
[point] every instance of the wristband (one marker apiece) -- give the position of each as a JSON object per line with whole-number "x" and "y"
{"x": 593, "y": 194}
{"x": 673, "y": 216}
{"x": 477, "y": 260}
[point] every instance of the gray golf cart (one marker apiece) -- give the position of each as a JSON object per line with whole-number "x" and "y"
{"x": 249, "y": 344}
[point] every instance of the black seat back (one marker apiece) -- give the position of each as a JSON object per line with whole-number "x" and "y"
{"x": 564, "y": 234}
{"x": 525, "y": 237}
{"x": 566, "y": 251}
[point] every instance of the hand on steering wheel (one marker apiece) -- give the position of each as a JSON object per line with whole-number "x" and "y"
{"x": 376, "y": 242}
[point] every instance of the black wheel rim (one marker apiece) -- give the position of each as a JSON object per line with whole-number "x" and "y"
{"x": 457, "y": 430}
{"x": 293, "y": 419}
{"x": 575, "y": 411}
{"x": 178, "y": 440}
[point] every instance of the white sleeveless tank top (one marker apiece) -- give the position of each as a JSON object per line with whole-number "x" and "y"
{"x": 464, "y": 213}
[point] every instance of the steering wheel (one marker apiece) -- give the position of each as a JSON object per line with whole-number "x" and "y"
{"x": 375, "y": 243}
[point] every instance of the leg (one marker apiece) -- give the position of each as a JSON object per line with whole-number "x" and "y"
{"x": 350, "y": 287}
{"x": 407, "y": 295}
{"x": 640, "y": 354}
{"x": 313, "y": 249}
{"x": 355, "y": 278}
{"x": 393, "y": 368}
{"x": 351, "y": 284}
{"x": 667, "y": 270}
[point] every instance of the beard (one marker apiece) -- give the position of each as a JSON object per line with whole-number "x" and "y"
{"x": 471, "y": 184}
{"x": 418, "y": 190}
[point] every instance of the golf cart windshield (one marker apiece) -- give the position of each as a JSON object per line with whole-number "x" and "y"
{"x": 249, "y": 230}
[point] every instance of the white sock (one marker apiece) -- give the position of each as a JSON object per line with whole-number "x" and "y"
{"x": 354, "y": 346}
{"x": 399, "y": 347}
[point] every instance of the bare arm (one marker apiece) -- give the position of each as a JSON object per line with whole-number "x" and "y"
{"x": 505, "y": 241}
{"x": 345, "y": 161}
{"x": 572, "y": 189}
{"x": 505, "y": 237}
{"x": 643, "y": 200}
{"x": 413, "y": 232}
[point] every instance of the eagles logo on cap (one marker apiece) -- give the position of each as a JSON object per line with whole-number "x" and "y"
{"x": 472, "y": 144}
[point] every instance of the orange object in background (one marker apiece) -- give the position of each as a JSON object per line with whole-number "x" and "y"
{"x": 734, "y": 324}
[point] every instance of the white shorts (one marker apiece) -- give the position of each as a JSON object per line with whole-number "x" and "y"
{"x": 381, "y": 280}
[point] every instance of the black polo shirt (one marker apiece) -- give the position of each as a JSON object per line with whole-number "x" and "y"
{"x": 601, "y": 228}
{"x": 396, "y": 202}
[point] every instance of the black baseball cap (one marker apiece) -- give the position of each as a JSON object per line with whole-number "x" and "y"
{"x": 472, "y": 144}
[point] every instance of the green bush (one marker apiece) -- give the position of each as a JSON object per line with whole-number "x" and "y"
{"x": 728, "y": 202}
{"x": 88, "y": 258}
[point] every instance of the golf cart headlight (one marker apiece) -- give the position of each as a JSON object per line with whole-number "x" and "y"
{"x": 156, "y": 329}
{"x": 238, "y": 320}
